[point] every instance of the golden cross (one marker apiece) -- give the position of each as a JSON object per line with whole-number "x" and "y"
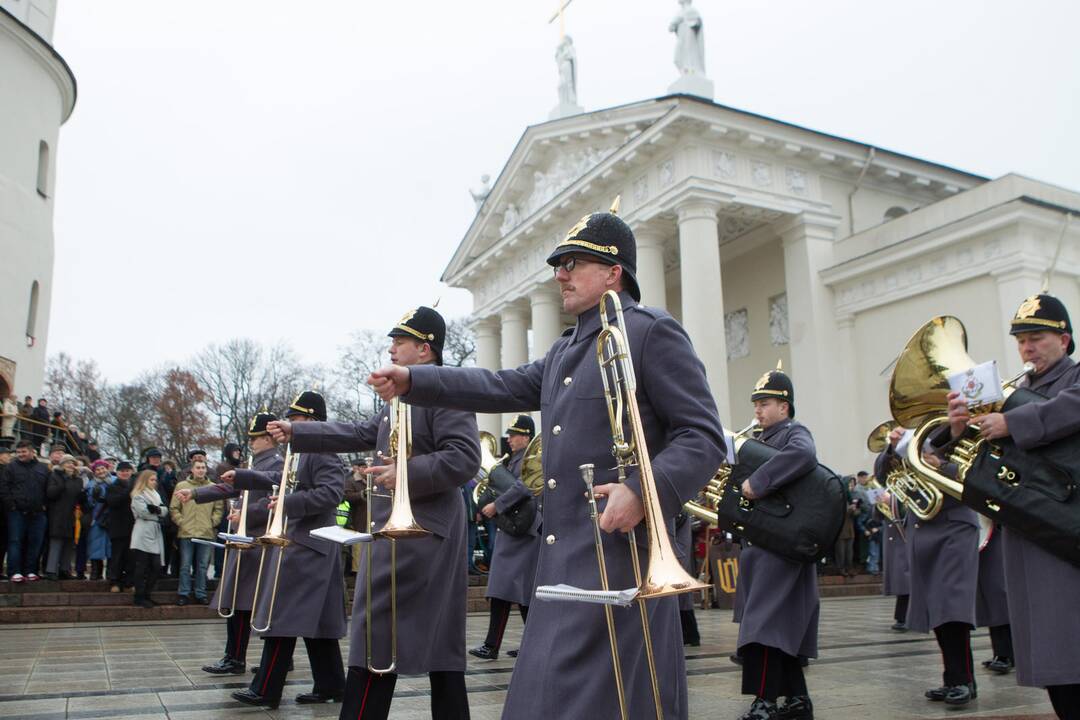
{"x": 563, "y": 4}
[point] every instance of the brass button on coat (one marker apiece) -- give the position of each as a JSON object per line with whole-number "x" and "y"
{"x": 550, "y": 539}
{"x": 556, "y": 430}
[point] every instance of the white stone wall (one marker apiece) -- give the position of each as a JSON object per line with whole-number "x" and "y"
{"x": 38, "y": 15}
{"x": 36, "y": 96}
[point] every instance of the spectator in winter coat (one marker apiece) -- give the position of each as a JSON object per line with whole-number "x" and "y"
{"x": 120, "y": 524}
{"x": 23, "y": 492}
{"x": 40, "y": 429}
{"x": 194, "y": 520}
{"x": 99, "y": 547}
{"x": 147, "y": 538}
{"x": 64, "y": 491}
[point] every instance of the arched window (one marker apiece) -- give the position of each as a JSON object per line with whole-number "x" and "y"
{"x": 31, "y": 315}
{"x": 43, "y": 169}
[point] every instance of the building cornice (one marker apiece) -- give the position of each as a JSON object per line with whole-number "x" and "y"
{"x": 46, "y": 54}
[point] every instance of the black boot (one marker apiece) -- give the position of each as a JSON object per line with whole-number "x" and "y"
{"x": 960, "y": 694}
{"x": 760, "y": 710}
{"x": 485, "y": 652}
{"x": 1000, "y": 665}
{"x": 797, "y": 707}
{"x": 225, "y": 666}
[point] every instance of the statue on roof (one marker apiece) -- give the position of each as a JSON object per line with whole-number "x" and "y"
{"x": 480, "y": 195}
{"x": 690, "y": 42}
{"x": 566, "y": 59}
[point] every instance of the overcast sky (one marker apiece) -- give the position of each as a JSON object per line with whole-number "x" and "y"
{"x": 293, "y": 171}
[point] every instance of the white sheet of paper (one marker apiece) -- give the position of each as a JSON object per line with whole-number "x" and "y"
{"x": 341, "y": 535}
{"x": 980, "y": 385}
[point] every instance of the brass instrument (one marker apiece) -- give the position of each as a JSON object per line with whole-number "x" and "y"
{"x": 400, "y": 525}
{"x": 919, "y": 496}
{"x": 236, "y": 546}
{"x": 275, "y": 536}
{"x": 532, "y": 468}
{"x": 918, "y": 399}
{"x": 489, "y": 446}
{"x": 665, "y": 575}
{"x": 704, "y": 506}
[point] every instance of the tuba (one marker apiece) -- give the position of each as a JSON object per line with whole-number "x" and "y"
{"x": 532, "y": 467}
{"x": 401, "y": 525}
{"x": 490, "y": 483}
{"x": 922, "y": 498}
{"x": 664, "y": 575}
{"x": 275, "y": 537}
{"x": 707, "y": 503}
{"x": 918, "y": 399}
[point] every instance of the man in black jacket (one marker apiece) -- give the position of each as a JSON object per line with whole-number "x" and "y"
{"x": 23, "y": 491}
{"x": 121, "y": 522}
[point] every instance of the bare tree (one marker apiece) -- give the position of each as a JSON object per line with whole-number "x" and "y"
{"x": 460, "y": 347}
{"x": 352, "y": 398}
{"x": 241, "y": 378}
{"x": 129, "y": 418}
{"x": 76, "y": 388}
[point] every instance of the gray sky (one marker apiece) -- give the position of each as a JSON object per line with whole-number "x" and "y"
{"x": 294, "y": 171}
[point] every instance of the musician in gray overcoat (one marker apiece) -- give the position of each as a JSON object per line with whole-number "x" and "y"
{"x": 992, "y": 601}
{"x": 564, "y": 669}
{"x": 241, "y": 587}
{"x": 896, "y": 570}
{"x": 310, "y": 593}
{"x": 513, "y": 564}
{"x": 776, "y": 599}
{"x": 432, "y": 572}
{"x": 1042, "y": 588}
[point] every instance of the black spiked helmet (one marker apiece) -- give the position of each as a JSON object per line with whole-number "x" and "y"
{"x": 308, "y": 403}
{"x": 1040, "y": 313}
{"x": 424, "y": 324}
{"x": 607, "y": 238}
{"x": 775, "y": 384}
{"x": 522, "y": 425}
{"x": 259, "y": 422}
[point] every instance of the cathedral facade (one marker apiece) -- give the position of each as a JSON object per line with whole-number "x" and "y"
{"x": 767, "y": 241}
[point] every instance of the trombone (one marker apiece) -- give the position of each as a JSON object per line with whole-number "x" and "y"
{"x": 275, "y": 536}
{"x": 664, "y": 575}
{"x": 236, "y": 545}
{"x": 400, "y": 525}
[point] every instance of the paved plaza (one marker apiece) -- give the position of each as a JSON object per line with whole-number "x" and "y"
{"x": 140, "y": 671}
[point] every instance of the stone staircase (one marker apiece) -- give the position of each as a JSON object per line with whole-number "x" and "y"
{"x": 89, "y": 601}
{"x": 68, "y": 601}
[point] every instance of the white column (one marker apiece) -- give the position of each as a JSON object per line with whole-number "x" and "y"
{"x": 847, "y": 367}
{"x": 487, "y": 357}
{"x": 702, "y": 294}
{"x": 819, "y": 383}
{"x": 515, "y": 345}
{"x": 1013, "y": 286}
{"x": 546, "y": 305}
{"x": 650, "y": 266}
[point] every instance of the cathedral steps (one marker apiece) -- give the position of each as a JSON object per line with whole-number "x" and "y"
{"x": 67, "y": 601}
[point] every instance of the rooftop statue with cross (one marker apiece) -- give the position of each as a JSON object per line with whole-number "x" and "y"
{"x": 566, "y": 61}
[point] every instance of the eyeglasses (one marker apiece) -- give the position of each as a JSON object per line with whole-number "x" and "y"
{"x": 568, "y": 264}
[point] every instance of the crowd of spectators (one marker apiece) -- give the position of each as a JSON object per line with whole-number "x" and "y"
{"x": 68, "y": 513}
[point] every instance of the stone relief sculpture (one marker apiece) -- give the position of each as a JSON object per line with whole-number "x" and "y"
{"x": 561, "y": 173}
{"x": 511, "y": 218}
{"x": 737, "y": 334}
{"x": 778, "y": 320}
{"x": 690, "y": 40}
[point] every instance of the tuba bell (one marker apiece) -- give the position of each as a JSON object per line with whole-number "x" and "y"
{"x": 918, "y": 399}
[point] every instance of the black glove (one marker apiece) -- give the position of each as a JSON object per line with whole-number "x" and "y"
{"x": 153, "y": 509}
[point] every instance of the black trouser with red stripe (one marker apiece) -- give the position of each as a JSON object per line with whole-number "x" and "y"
{"x": 368, "y": 696}
{"x": 900, "y": 609}
{"x": 1001, "y": 641}
{"x": 1066, "y": 700}
{"x": 770, "y": 673}
{"x": 954, "y": 639}
{"x": 500, "y": 613}
{"x": 238, "y": 628}
{"x": 324, "y": 655}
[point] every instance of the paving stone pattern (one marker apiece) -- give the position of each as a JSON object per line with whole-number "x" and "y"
{"x": 142, "y": 670}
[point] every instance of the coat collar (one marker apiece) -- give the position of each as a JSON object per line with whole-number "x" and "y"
{"x": 775, "y": 429}
{"x": 264, "y": 453}
{"x": 588, "y": 322}
{"x": 1054, "y": 372}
